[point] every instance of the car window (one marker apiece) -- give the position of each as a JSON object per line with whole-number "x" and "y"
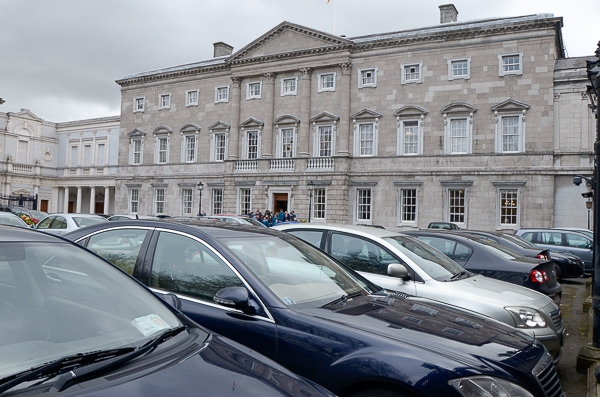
{"x": 577, "y": 241}
{"x": 551, "y": 238}
{"x": 310, "y": 236}
{"x": 120, "y": 247}
{"x": 185, "y": 266}
{"x": 45, "y": 224}
{"x": 360, "y": 254}
{"x": 59, "y": 223}
{"x": 528, "y": 236}
{"x": 83, "y": 222}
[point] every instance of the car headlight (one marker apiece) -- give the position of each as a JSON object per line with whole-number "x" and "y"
{"x": 485, "y": 386}
{"x": 526, "y": 317}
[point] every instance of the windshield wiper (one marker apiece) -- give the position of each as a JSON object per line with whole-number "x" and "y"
{"x": 344, "y": 298}
{"x": 460, "y": 275}
{"x": 81, "y": 364}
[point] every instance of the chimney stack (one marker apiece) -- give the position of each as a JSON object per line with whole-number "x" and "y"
{"x": 448, "y": 13}
{"x": 222, "y": 49}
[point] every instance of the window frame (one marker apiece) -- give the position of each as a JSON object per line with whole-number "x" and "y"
{"x": 157, "y": 150}
{"x": 502, "y": 72}
{"x": 132, "y": 151}
{"x": 320, "y": 87}
{"x": 249, "y": 94}
{"x": 215, "y": 136}
{"x": 401, "y": 137}
{"x": 357, "y": 205}
{"x": 280, "y": 141}
{"x": 316, "y": 207}
{"x": 404, "y": 80}
{"x": 156, "y": 200}
{"x": 361, "y": 83}
{"x": 468, "y": 137}
{"x": 216, "y": 192}
{"x": 188, "y": 103}
{"x": 239, "y": 199}
{"x": 500, "y": 132}
{"x": 505, "y": 186}
{"x": 283, "y": 91}
{"x": 134, "y": 192}
{"x": 246, "y": 144}
{"x": 358, "y": 138}
{"x": 161, "y": 101}
{"x": 402, "y": 205}
{"x": 317, "y": 139}
{"x": 217, "y": 96}
{"x": 184, "y": 148}
{"x": 466, "y": 76}
{"x": 187, "y": 203}
{"x": 136, "y": 101}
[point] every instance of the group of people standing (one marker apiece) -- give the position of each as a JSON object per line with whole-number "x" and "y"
{"x": 272, "y": 218}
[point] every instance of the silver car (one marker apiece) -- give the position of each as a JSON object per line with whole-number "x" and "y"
{"x": 402, "y": 263}
{"x": 60, "y": 224}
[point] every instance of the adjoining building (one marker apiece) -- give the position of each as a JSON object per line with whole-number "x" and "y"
{"x": 481, "y": 123}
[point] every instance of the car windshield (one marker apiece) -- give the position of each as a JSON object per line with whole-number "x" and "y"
{"x": 430, "y": 260}
{"x": 498, "y": 249}
{"x": 38, "y": 214}
{"x": 295, "y": 271}
{"x": 12, "y": 220}
{"x": 57, "y": 299}
{"x": 83, "y": 222}
{"x": 519, "y": 241}
{"x": 251, "y": 221}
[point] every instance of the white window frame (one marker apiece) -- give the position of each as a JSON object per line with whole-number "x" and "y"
{"x": 500, "y": 137}
{"x": 136, "y": 100}
{"x": 357, "y": 138}
{"x": 452, "y": 61}
{"x": 317, "y": 142}
{"x": 132, "y": 151}
{"x": 402, "y": 205}
{"x": 187, "y": 98}
{"x": 317, "y": 205}
{"x": 161, "y": 102}
{"x": 86, "y": 160}
{"x": 361, "y": 83}
{"x": 357, "y": 193}
{"x": 249, "y": 94}
{"x": 508, "y": 186}
{"x": 320, "y": 76}
{"x": 502, "y": 72}
{"x": 218, "y": 99}
{"x": 73, "y": 158}
{"x": 280, "y": 152}
{"x": 184, "y": 148}
{"x": 245, "y": 145}
{"x": 157, "y": 150}
{"x": 216, "y": 198}
{"x": 401, "y": 149}
{"x": 213, "y": 145}
{"x": 404, "y": 80}
{"x": 448, "y": 132}
{"x": 239, "y": 198}
{"x": 286, "y": 93}
{"x": 157, "y": 192}
{"x": 134, "y": 192}
{"x": 501, "y": 203}
{"x": 98, "y": 156}
{"x": 187, "y": 204}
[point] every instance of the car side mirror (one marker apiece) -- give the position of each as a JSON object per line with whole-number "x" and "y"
{"x": 397, "y": 270}
{"x": 236, "y": 298}
{"x": 172, "y": 300}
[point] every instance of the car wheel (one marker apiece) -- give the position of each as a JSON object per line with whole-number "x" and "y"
{"x": 559, "y": 272}
{"x": 380, "y": 392}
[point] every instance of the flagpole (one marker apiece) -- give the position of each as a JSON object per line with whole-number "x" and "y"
{"x": 334, "y": 17}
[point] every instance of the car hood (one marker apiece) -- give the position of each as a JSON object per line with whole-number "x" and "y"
{"x": 466, "y": 337}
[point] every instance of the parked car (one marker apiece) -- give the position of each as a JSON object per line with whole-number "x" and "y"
{"x": 73, "y": 324}
{"x": 402, "y": 263}
{"x": 565, "y": 265}
{"x": 587, "y": 232}
{"x": 7, "y": 218}
{"x": 443, "y": 225}
{"x": 290, "y": 301}
{"x": 60, "y": 224}
{"x": 34, "y": 215}
{"x": 237, "y": 219}
{"x": 130, "y": 216}
{"x": 567, "y": 241}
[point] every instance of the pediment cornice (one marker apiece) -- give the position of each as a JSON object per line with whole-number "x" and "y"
{"x": 163, "y": 129}
{"x": 219, "y": 125}
{"x": 252, "y": 123}
{"x": 459, "y": 107}
{"x": 191, "y": 127}
{"x": 510, "y": 105}
{"x": 325, "y": 117}
{"x": 136, "y": 132}
{"x": 411, "y": 111}
{"x": 366, "y": 114}
{"x": 287, "y": 119}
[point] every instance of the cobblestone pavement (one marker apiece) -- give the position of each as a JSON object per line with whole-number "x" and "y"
{"x": 573, "y": 383}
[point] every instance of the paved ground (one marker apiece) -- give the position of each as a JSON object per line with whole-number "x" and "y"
{"x": 573, "y": 383}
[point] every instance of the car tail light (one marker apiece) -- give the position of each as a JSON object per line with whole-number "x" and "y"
{"x": 538, "y": 276}
{"x": 543, "y": 256}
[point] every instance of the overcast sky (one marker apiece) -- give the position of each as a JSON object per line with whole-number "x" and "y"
{"x": 60, "y": 58}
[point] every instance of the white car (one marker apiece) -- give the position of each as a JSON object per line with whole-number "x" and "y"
{"x": 60, "y": 224}
{"x": 130, "y": 216}
{"x": 402, "y": 263}
{"x": 8, "y": 218}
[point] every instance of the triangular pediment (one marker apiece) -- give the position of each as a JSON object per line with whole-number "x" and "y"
{"x": 366, "y": 114}
{"x": 219, "y": 125}
{"x": 20, "y": 192}
{"x": 324, "y": 117}
{"x": 288, "y": 37}
{"x": 510, "y": 105}
{"x": 25, "y": 114}
{"x": 251, "y": 123}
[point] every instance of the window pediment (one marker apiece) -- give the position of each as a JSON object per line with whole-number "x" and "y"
{"x": 219, "y": 125}
{"x": 366, "y": 114}
{"x": 412, "y": 111}
{"x": 252, "y": 123}
{"x": 325, "y": 117}
{"x": 190, "y": 128}
{"x": 163, "y": 129}
{"x": 287, "y": 119}
{"x": 459, "y": 108}
{"x": 136, "y": 133}
{"x": 510, "y": 105}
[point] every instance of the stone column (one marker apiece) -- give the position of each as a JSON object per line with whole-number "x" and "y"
{"x": 78, "y": 208}
{"x": 235, "y": 118}
{"x": 267, "y": 137}
{"x": 92, "y": 199}
{"x": 66, "y": 201}
{"x": 54, "y": 201}
{"x": 106, "y": 199}
{"x": 304, "y": 130}
{"x": 344, "y": 133}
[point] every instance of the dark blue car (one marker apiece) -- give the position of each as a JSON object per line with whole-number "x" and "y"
{"x": 289, "y": 301}
{"x": 72, "y": 324}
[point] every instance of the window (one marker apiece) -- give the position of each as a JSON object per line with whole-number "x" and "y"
{"x": 87, "y": 155}
{"x": 222, "y": 94}
{"x": 410, "y": 139}
{"x": 74, "y": 156}
{"x": 190, "y": 148}
{"x": 289, "y": 86}
{"x": 120, "y": 247}
{"x": 509, "y": 207}
{"x": 252, "y": 145}
{"x": 138, "y": 104}
{"x": 191, "y": 98}
{"x": 511, "y": 63}
{"x": 319, "y": 204}
{"x": 411, "y": 73}
{"x": 367, "y": 77}
{"x": 187, "y": 200}
{"x": 408, "y": 205}
{"x": 510, "y": 137}
{"x": 217, "y": 201}
{"x": 577, "y": 241}
{"x": 325, "y": 141}
{"x": 286, "y": 143}
{"x": 159, "y": 201}
{"x": 164, "y": 101}
{"x": 100, "y": 154}
{"x": 360, "y": 254}
{"x": 136, "y": 151}
{"x": 244, "y": 200}
{"x": 134, "y": 200}
{"x": 326, "y": 82}
{"x": 254, "y": 90}
{"x": 220, "y": 146}
{"x": 459, "y": 68}
{"x": 363, "y": 205}
{"x": 456, "y": 205}
{"x": 366, "y": 139}
{"x": 162, "y": 150}
{"x": 458, "y": 136}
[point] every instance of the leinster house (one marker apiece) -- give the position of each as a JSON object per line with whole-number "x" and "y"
{"x": 482, "y": 123}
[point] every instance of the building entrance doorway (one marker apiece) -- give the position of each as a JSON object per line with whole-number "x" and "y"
{"x": 280, "y": 202}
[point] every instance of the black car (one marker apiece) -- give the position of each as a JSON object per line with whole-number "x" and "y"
{"x": 483, "y": 256}
{"x": 291, "y": 302}
{"x": 565, "y": 265}
{"x": 73, "y": 324}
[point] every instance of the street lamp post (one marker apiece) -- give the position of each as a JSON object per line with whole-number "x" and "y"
{"x": 200, "y": 186}
{"x": 311, "y": 187}
{"x": 588, "y": 205}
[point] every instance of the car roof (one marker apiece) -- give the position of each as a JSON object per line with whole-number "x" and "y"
{"x": 11, "y": 234}
{"x": 359, "y": 229}
{"x": 543, "y": 229}
{"x": 72, "y": 214}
